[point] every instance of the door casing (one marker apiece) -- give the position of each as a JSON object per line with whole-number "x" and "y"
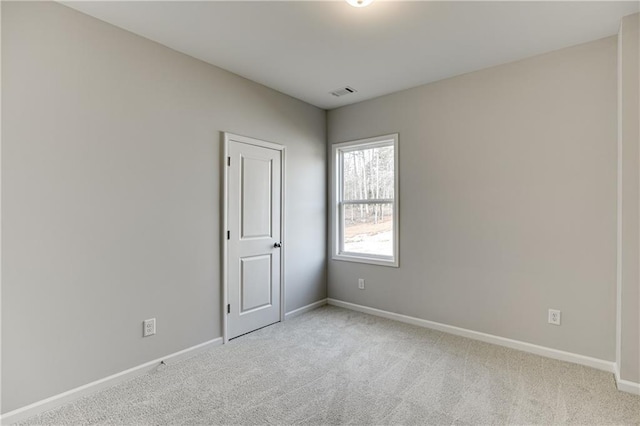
{"x": 227, "y": 138}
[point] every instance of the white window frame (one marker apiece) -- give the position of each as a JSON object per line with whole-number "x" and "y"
{"x": 337, "y": 223}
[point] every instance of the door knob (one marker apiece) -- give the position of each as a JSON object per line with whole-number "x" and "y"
{"x": 277, "y": 245}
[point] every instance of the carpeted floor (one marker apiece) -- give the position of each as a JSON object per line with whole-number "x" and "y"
{"x": 335, "y": 366}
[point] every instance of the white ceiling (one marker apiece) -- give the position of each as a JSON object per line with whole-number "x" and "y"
{"x": 306, "y": 49}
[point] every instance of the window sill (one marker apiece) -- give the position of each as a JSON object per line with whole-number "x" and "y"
{"x": 365, "y": 259}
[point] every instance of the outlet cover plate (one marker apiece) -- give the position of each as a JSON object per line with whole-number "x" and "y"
{"x": 149, "y": 327}
{"x": 555, "y": 316}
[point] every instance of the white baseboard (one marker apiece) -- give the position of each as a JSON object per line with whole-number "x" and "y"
{"x": 36, "y": 408}
{"x": 599, "y": 364}
{"x": 307, "y": 308}
{"x": 626, "y": 385}
{"x": 50, "y": 403}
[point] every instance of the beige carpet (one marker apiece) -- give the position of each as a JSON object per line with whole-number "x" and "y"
{"x": 334, "y": 366}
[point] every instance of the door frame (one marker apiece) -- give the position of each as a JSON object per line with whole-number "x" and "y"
{"x": 227, "y": 138}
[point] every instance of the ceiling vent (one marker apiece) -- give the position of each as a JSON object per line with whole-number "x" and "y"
{"x": 343, "y": 91}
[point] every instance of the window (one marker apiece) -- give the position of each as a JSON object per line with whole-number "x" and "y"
{"x": 365, "y": 200}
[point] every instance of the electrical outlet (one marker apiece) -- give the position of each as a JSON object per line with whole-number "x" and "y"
{"x": 149, "y": 327}
{"x": 361, "y": 283}
{"x": 555, "y": 316}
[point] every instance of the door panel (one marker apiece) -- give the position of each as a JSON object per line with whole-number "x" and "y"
{"x": 255, "y": 283}
{"x": 256, "y": 197}
{"x": 254, "y": 221}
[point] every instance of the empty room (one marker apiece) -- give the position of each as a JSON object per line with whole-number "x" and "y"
{"x": 361, "y": 212}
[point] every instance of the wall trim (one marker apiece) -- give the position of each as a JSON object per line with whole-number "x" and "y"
{"x": 599, "y": 364}
{"x": 50, "y": 403}
{"x": 626, "y": 385}
{"x": 619, "y": 233}
{"x": 305, "y": 309}
{"x": 55, "y": 401}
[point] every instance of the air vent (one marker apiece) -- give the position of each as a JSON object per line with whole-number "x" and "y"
{"x": 343, "y": 91}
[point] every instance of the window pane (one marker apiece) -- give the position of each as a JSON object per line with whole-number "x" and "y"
{"x": 368, "y": 228}
{"x": 368, "y": 174}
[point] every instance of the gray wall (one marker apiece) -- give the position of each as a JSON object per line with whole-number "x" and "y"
{"x": 507, "y": 200}
{"x": 629, "y": 135}
{"x": 111, "y": 197}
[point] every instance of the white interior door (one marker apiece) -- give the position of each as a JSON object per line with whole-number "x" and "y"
{"x": 254, "y": 237}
